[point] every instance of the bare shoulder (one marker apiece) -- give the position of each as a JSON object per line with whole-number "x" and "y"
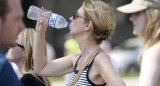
{"x": 74, "y": 56}
{"x": 153, "y": 53}
{"x": 102, "y": 58}
{"x": 77, "y": 53}
{"x": 102, "y": 63}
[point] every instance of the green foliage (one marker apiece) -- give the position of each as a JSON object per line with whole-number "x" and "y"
{"x": 130, "y": 75}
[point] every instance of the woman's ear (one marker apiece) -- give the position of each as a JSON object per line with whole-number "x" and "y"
{"x": 88, "y": 26}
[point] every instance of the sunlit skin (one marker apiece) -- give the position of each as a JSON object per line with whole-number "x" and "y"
{"x": 138, "y": 20}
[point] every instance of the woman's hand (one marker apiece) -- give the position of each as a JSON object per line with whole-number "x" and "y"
{"x": 42, "y": 23}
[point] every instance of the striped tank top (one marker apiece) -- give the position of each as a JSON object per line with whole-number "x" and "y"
{"x": 83, "y": 79}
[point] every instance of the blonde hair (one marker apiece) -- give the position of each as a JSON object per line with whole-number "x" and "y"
{"x": 152, "y": 29}
{"x": 103, "y": 18}
{"x": 27, "y": 40}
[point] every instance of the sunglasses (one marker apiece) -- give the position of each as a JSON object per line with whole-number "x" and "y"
{"x": 75, "y": 15}
{"x": 21, "y": 46}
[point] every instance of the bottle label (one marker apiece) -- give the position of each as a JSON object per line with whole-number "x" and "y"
{"x": 52, "y": 19}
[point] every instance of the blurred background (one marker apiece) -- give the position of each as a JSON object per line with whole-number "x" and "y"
{"x": 125, "y": 47}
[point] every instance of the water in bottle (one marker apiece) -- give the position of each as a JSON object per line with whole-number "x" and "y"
{"x": 52, "y": 19}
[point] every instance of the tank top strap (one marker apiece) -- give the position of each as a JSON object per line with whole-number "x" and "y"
{"x": 75, "y": 67}
{"x": 91, "y": 62}
{"x": 89, "y": 66}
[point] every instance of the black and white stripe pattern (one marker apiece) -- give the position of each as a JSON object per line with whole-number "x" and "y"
{"x": 83, "y": 79}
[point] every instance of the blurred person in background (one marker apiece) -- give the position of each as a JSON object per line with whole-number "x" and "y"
{"x": 92, "y": 23}
{"x": 107, "y": 47}
{"x": 51, "y": 54}
{"x": 22, "y": 56}
{"x": 145, "y": 16}
{"x": 11, "y": 25}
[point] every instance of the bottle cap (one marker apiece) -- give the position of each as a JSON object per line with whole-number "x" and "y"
{"x": 68, "y": 24}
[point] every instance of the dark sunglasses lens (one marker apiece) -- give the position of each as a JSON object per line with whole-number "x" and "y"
{"x": 20, "y": 46}
{"x": 74, "y": 15}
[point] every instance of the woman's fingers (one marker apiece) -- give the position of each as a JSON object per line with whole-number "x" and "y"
{"x": 43, "y": 9}
{"x": 41, "y": 25}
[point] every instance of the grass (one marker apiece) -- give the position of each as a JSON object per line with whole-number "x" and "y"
{"x": 130, "y": 75}
{"x": 57, "y": 79}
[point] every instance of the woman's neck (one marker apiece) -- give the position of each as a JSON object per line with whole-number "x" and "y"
{"x": 19, "y": 65}
{"x": 86, "y": 45}
{"x": 87, "y": 48}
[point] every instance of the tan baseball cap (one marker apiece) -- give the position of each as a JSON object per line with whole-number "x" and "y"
{"x": 139, "y": 5}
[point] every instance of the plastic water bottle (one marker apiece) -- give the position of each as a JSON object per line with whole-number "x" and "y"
{"x": 52, "y": 19}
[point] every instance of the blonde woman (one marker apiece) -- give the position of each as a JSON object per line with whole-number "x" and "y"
{"x": 22, "y": 56}
{"x": 145, "y": 16}
{"x": 92, "y": 23}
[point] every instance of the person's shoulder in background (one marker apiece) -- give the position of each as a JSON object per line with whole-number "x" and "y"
{"x": 32, "y": 80}
{"x": 7, "y": 75}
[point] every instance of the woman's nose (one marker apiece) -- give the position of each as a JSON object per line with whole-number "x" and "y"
{"x": 132, "y": 17}
{"x": 71, "y": 18}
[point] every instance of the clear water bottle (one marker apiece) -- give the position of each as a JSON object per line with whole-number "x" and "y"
{"x": 52, "y": 19}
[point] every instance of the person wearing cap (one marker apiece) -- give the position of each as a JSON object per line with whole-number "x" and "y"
{"x": 145, "y": 16}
